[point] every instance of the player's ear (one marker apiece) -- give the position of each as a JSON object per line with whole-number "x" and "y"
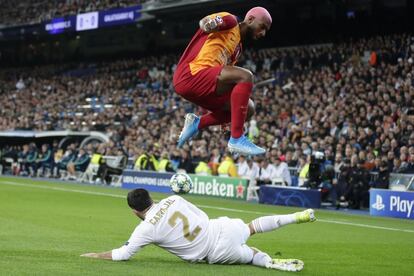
{"x": 250, "y": 19}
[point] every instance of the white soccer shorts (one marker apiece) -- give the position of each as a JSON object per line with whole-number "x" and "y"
{"x": 231, "y": 245}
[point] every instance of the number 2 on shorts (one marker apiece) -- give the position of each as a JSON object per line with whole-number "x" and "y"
{"x": 186, "y": 227}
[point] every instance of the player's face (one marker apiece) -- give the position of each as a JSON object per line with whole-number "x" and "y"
{"x": 258, "y": 28}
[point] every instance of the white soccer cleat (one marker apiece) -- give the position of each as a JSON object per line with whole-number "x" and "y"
{"x": 292, "y": 265}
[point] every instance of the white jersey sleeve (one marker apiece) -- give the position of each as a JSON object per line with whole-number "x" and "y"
{"x": 142, "y": 235}
{"x": 175, "y": 225}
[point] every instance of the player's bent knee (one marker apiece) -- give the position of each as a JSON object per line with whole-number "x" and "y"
{"x": 234, "y": 75}
{"x": 251, "y": 228}
{"x": 245, "y": 76}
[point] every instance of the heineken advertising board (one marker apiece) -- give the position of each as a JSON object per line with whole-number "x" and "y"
{"x": 224, "y": 187}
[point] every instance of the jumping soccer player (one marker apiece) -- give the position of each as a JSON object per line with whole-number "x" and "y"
{"x": 186, "y": 231}
{"x": 206, "y": 75}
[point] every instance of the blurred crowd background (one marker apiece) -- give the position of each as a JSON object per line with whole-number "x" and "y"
{"x": 337, "y": 116}
{"x": 351, "y": 102}
{"x": 33, "y": 11}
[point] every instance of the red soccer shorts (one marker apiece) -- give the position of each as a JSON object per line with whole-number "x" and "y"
{"x": 200, "y": 88}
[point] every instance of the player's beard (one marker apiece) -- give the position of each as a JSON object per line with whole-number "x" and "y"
{"x": 248, "y": 38}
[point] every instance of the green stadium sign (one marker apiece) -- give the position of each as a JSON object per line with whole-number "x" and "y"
{"x": 225, "y": 187}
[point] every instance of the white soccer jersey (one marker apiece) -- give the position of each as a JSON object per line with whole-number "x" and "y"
{"x": 175, "y": 225}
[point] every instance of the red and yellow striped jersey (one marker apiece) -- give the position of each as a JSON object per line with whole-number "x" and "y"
{"x": 214, "y": 49}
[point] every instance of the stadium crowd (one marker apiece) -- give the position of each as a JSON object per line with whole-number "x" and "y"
{"x": 30, "y": 12}
{"x": 352, "y": 103}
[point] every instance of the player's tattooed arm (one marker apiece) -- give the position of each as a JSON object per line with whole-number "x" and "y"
{"x": 214, "y": 23}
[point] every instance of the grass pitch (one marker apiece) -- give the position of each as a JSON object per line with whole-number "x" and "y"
{"x": 45, "y": 226}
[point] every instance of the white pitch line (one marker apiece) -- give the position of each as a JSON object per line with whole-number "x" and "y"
{"x": 202, "y": 206}
{"x": 60, "y": 189}
{"x": 366, "y": 225}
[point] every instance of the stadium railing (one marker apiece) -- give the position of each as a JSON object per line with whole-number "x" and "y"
{"x": 91, "y": 172}
{"x": 401, "y": 182}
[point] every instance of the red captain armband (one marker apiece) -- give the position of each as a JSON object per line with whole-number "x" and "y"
{"x": 218, "y": 23}
{"x": 226, "y": 22}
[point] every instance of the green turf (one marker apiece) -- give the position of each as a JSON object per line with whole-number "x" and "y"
{"x": 44, "y": 228}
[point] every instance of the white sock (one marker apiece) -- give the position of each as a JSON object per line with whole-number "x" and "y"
{"x": 269, "y": 223}
{"x": 261, "y": 259}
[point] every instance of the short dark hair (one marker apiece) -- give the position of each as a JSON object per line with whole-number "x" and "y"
{"x": 139, "y": 199}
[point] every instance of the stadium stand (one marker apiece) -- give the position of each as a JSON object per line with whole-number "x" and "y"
{"x": 30, "y": 12}
{"x": 351, "y": 102}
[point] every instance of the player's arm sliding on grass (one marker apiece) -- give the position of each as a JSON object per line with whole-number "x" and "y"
{"x": 103, "y": 255}
{"x": 184, "y": 230}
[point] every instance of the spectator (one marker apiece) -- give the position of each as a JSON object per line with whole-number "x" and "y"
{"x": 343, "y": 186}
{"x": 359, "y": 180}
{"x": 79, "y": 164}
{"x": 31, "y": 159}
{"x": 22, "y": 157}
{"x": 45, "y": 160}
{"x": 282, "y": 171}
{"x": 165, "y": 163}
{"x": 242, "y": 167}
{"x": 146, "y": 161}
{"x": 383, "y": 179}
{"x": 347, "y": 107}
{"x": 62, "y": 163}
{"x": 142, "y": 162}
{"x": 409, "y": 168}
{"x": 31, "y": 12}
{"x": 202, "y": 167}
{"x": 303, "y": 170}
{"x": 253, "y": 130}
{"x": 186, "y": 164}
{"x": 227, "y": 168}
{"x": 253, "y": 171}
{"x": 112, "y": 167}
{"x": 267, "y": 172}
{"x": 338, "y": 163}
{"x": 214, "y": 161}
{"x": 290, "y": 161}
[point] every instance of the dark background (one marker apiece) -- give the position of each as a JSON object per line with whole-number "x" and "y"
{"x": 295, "y": 22}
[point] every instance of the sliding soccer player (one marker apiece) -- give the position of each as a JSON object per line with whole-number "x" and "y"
{"x": 206, "y": 75}
{"x": 184, "y": 230}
